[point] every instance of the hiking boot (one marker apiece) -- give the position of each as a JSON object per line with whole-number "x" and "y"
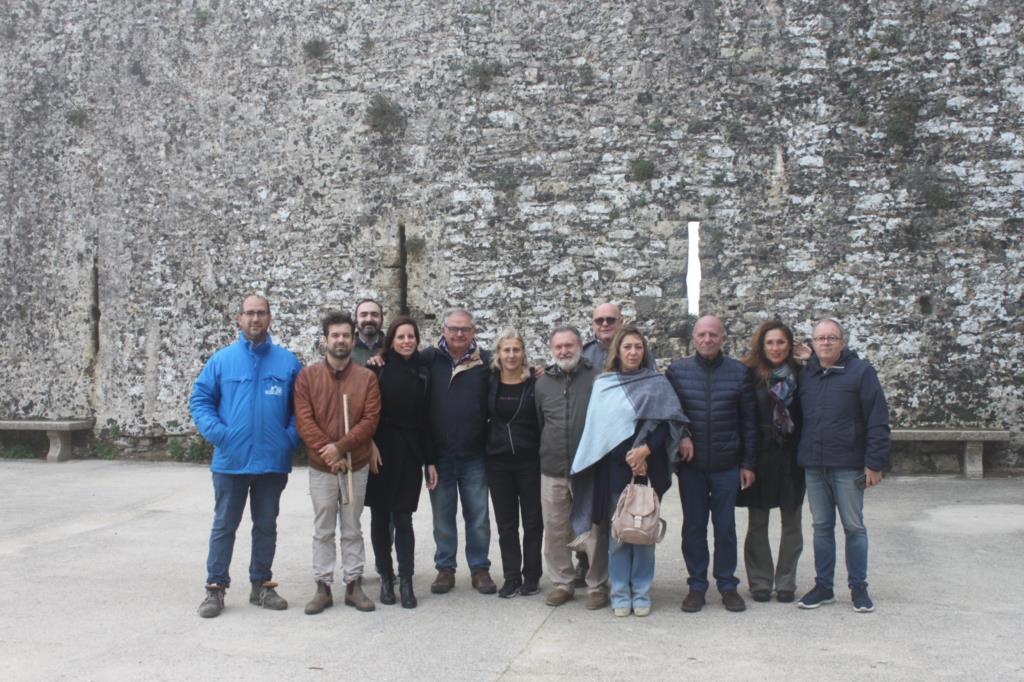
{"x": 510, "y": 588}
{"x": 444, "y": 581}
{"x": 263, "y": 594}
{"x": 482, "y": 582}
{"x": 761, "y": 595}
{"x": 733, "y": 601}
{"x": 816, "y": 597}
{"x": 529, "y": 587}
{"x": 354, "y": 596}
{"x": 861, "y": 601}
{"x": 693, "y": 602}
{"x": 582, "y": 568}
{"x": 387, "y": 589}
{"x": 405, "y": 590}
{"x": 597, "y": 600}
{"x": 785, "y": 596}
{"x": 558, "y": 596}
{"x": 321, "y": 600}
{"x": 214, "y": 602}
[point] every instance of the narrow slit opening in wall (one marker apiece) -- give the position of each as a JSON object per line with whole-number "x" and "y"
{"x": 94, "y": 308}
{"x": 693, "y": 268}
{"x": 403, "y": 272}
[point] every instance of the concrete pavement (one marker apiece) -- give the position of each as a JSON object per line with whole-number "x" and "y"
{"x": 102, "y": 568}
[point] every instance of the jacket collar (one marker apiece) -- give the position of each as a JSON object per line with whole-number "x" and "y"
{"x": 714, "y": 363}
{"x": 261, "y": 349}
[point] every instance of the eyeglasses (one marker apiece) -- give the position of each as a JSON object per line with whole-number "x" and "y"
{"x": 255, "y": 313}
{"x": 826, "y": 339}
{"x": 605, "y": 321}
{"x": 458, "y": 330}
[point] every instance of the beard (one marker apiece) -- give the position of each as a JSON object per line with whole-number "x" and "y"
{"x": 340, "y": 353}
{"x": 569, "y": 364}
{"x": 369, "y": 330}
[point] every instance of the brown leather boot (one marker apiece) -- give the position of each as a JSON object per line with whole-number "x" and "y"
{"x": 354, "y": 596}
{"x": 321, "y": 600}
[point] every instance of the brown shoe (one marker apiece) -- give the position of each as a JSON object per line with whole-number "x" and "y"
{"x": 558, "y": 596}
{"x": 597, "y": 600}
{"x": 354, "y": 596}
{"x": 482, "y": 582}
{"x": 444, "y": 581}
{"x": 694, "y": 602}
{"x": 321, "y": 600}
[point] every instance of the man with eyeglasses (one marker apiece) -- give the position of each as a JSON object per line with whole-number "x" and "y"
{"x": 844, "y": 447}
{"x": 606, "y": 322}
{"x": 459, "y": 376}
{"x": 242, "y": 404}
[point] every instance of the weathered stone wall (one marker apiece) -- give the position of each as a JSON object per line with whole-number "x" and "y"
{"x": 857, "y": 159}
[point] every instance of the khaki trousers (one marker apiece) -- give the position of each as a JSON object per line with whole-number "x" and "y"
{"x": 556, "y": 507}
{"x": 327, "y": 492}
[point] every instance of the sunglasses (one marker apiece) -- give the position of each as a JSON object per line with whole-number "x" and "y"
{"x": 605, "y": 321}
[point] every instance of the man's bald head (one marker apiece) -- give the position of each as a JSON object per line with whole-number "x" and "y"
{"x": 708, "y": 336}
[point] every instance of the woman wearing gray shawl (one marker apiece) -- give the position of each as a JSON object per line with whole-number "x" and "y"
{"x": 634, "y": 424}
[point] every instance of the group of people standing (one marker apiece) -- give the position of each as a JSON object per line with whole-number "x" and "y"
{"x": 553, "y": 446}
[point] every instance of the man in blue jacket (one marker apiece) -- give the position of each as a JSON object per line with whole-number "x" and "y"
{"x": 242, "y": 404}
{"x": 716, "y": 461}
{"x": 844, "y": 446}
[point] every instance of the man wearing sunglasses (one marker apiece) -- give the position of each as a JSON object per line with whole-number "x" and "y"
{"x": 605, "y": 323}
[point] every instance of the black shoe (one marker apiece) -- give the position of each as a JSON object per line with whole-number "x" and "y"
{"x": 387, "y": 589}
{"x": 581, "y": 570}
{"x": 694, "y": 602}
{"x": 510, "y": 588}
{"x": 785, "y": 596}
{"x": 405, "y": 589}
{"x": 761, "y": 595}
{"x": 733, "y": 601}
{"x": 529, "y": 587}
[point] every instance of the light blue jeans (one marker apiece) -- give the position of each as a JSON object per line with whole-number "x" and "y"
{"x": 465, "y": 479}
{"x": 842, "y": 489}
{"x": 630, "y": 572}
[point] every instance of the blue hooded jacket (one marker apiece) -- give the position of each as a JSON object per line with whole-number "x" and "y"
{"x": 242, "y": 404}
{"x": 845, "y": 416}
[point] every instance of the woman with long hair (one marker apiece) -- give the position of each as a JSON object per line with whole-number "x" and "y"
{"x": 633, "y": 428}
{"x": 403, "y": 438}
{"x": 513, "y": 465}
{"x": 779, "y": 480}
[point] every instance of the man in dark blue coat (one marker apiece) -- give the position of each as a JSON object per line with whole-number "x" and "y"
{"x": 844, "y": 447}
{"x": 716, "y": 461}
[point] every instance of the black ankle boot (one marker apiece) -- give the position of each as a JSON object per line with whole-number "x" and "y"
{"x": 387, "y": 589}
{"x": 405, "y": 587}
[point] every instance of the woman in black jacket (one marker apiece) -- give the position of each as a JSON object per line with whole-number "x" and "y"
{"x": 513, "y": 465}
{"x": 780, "y": 480}
{"x": 404, "y": 441}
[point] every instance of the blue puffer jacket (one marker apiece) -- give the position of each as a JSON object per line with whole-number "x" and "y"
{"x": 242, "y": 404}
{"x": 846, "y": 419}
{"x": 718, "y": 398}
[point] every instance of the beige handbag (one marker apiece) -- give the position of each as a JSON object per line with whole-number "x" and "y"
{"x": 637, "y": 519}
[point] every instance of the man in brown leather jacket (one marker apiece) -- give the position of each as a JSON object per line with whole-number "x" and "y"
{"x": 335, "y": 454}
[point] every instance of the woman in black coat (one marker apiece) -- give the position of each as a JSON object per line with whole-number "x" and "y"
{"x": 779, "y": 481}
{"x": 403, "y": 438}
{"x": 513, "y": 465}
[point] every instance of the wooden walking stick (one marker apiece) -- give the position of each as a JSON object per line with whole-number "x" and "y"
{"x": 348, "y": 455}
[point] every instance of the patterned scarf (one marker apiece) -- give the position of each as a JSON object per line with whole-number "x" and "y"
{"x": 443, "y": 345}
{"x": 781, "y": 387}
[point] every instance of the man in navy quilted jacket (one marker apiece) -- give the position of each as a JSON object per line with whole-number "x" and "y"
{"x": 716, "y": 461}
{"x": 844, "y": 446}
{"x": 242, "y": 404}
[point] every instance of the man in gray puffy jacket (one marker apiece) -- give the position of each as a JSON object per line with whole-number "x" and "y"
{"x": 844, "y": 446}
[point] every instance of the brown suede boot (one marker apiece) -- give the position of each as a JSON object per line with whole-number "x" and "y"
{"x": 354, "y": 596}
{"x": 321, "y": 600}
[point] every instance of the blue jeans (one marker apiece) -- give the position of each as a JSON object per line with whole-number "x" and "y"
{"x": 230, "y": 492}
{"x": 828, "y": 490}
{"x": 462, "y": 478}
{"x": 630, "y": 571}
{"x": 713, "y": 493}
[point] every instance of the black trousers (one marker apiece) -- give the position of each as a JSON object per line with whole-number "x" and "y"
{"x": 381, "y": 525}
{"x": 515, "y": 491}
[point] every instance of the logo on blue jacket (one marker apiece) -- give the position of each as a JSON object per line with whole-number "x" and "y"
{"x": 275, "y": 389}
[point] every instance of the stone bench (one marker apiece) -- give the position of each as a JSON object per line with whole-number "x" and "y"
{"x": 971, "y": 464}
{"x": 58, "y": 430}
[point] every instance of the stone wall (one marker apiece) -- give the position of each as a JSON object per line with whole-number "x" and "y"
{"x": 857, "y": 159}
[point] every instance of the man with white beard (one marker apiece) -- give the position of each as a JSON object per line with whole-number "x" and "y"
{"x": 562, "y": 394}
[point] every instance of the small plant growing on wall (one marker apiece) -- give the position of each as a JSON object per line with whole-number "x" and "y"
{"x": 641, "y": 170}
{"x": 315, "y": 48}
{"x": 415, "y": 245}
{"x": 77, "y": 117}
{"x": 482, "y": 74}
{"x": 384, "y": 117}
{"x": 506, "y": 180}
{"x": 201, "y": 17}
{"x": 902, "y": 113}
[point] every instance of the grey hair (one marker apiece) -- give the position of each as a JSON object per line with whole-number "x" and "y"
{"x": 566, "y": 328}
{"x": 842, "y": 332}
{"x": 509, "y": 334}
{"x": 457, "y": 311}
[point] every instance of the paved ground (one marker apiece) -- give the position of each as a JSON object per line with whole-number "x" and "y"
{"x": 102, "y": 567}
